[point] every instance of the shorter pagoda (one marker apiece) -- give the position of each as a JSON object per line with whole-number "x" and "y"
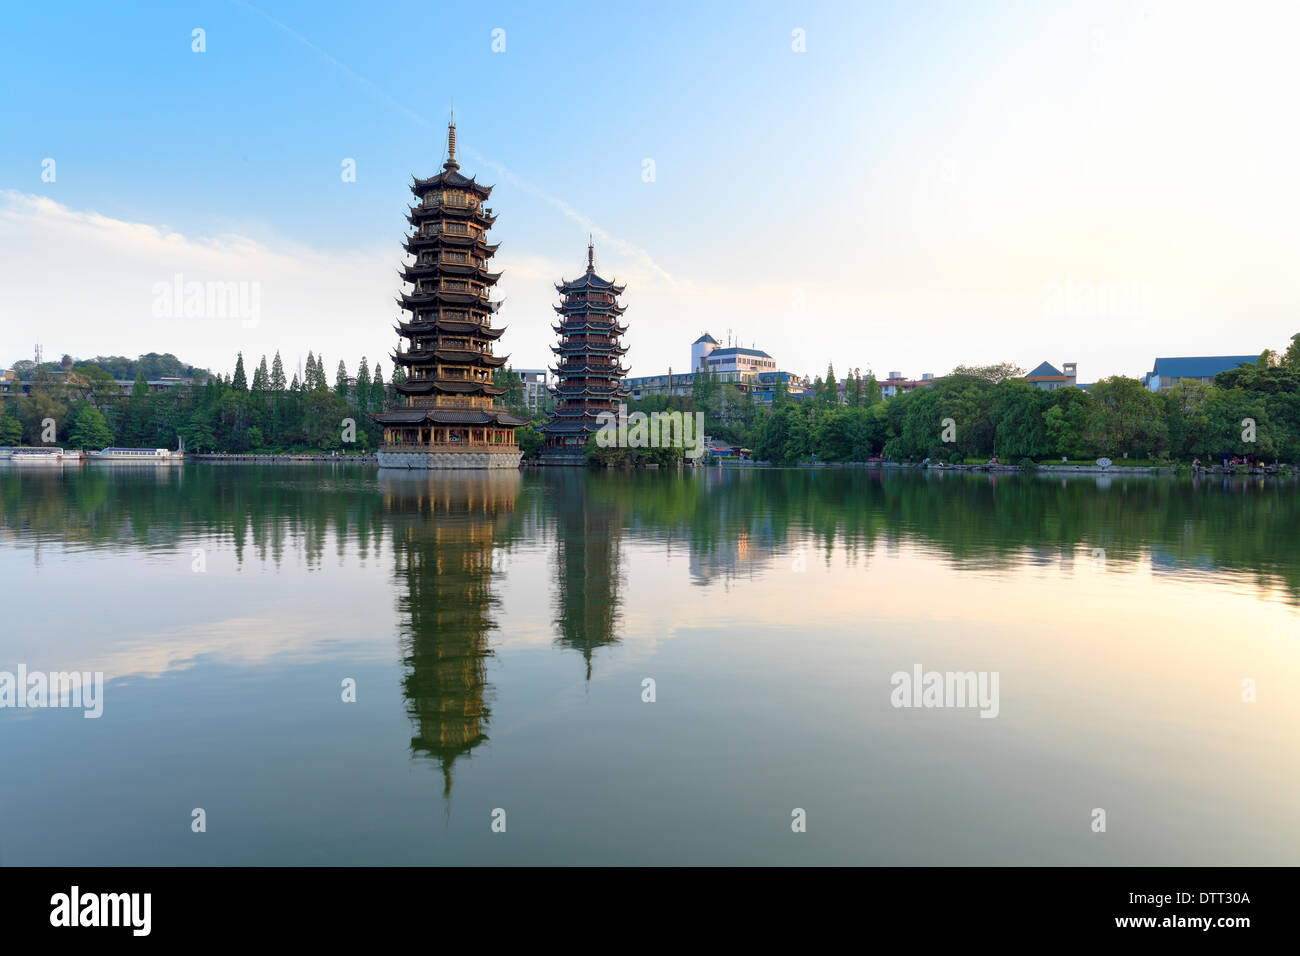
{"x": 589, "y": 374}
{"x": 446, "y": 414}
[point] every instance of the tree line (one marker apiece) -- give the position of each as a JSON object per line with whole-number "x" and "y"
{"x": 236, "y": 413}
{"x": 978, "y": 412}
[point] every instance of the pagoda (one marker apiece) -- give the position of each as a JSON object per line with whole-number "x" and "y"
{"x": 444, "y": 414}
{"x": 588, "y": 370}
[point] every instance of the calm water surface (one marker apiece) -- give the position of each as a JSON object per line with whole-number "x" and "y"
{"x": 499, "y": 629}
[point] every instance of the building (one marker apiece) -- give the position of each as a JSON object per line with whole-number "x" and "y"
{"x": 896, "y": 384}
{"x": 1168, "y": 371}
{"x": 589, "y": 373}
{"x": 1049, "y": 378}
{"x": 537, "y": 386}
{"x": 707, "y": 355}
{"x": 750, "y": 370}
{"x": 444, "y": 414}
{"x": 646, "y": 385}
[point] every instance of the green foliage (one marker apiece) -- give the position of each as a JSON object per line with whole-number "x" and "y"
{"x": 89, "y": 429}
{"x": 11, "y": 429}
{"x": 529, "y": 440}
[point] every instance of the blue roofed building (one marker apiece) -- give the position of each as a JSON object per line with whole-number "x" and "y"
{"x": 1167, "y": 371}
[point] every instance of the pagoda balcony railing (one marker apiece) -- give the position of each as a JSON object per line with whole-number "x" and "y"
{"x": 444, "y": 402}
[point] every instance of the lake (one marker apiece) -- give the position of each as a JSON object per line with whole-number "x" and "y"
{"x": 340, "y": 665}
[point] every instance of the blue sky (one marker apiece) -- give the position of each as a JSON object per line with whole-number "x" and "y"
{"x": 910, "y": 192}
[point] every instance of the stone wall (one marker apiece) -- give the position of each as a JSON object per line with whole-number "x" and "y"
{"x": 440, "y": 459}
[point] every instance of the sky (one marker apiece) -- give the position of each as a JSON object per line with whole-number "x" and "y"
{"x": 887, "y": 186}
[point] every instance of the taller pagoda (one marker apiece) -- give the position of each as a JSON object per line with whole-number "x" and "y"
{"x": 445, "y": 415}
{"x": 588, "y": 368}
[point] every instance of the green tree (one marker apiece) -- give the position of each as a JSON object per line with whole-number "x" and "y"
{"x": 261, "y": 377}
{"x": 363, "y": 387}
{"x": 11, "y": 429}
{"x": 278, "y": 383}
{"x": 88, "y": 428}
{"x": 240, "y": 383}
{"x": 1126, "y": 418}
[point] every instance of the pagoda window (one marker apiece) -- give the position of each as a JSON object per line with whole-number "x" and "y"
{"x": 455, "y": 228}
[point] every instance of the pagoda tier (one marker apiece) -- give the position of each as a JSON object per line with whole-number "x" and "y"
{"x": 448, "y": 327}
{"x": 590, "y": 327}
{"x": 430, "y": 386}
{"x": 455, "y": 357}
{"x": 444, "y": 414}
{"x": 589, "y": 370}
{"x": 588, "y": 375}
{"x": 597, "y": 309}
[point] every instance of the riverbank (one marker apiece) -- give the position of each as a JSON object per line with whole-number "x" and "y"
{"x": 285, "y": 459}
{"x": 1171, "y": 470}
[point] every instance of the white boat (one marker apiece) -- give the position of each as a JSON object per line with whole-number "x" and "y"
{"x": 39, "y": 455}
{"x": 142, "y": 455}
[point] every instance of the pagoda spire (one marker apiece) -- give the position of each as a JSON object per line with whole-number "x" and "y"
{"x": 451, "y": 142}
{"x": 591, "y": 255}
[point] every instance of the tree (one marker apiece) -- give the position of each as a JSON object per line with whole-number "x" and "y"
{"x": 1018, "y": 413}
{"x": 261, "y": 378}
{"x": 240, "y": 383}
{"x": 11, "y": 429}
{"x": 378, "y": 395}
{"x": 1126, "y": 418}
{"x": 341, "y": 381}
{"x": 1291, "y": 357}
{"x": 277, "y": 374}
{"x": 89, "y": 428}
{"x": 363, "y": 387}
{"x": 990, "y": 373}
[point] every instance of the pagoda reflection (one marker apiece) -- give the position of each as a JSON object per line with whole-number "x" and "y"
{"x": 446, "y": 526}
{"x": 589, "y": 529}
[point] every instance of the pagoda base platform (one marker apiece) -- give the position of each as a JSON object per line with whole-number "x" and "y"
{"x": 460, "y": 457}
{"x": 577, "y": 458}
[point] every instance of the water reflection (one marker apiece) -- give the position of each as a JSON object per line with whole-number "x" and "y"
{"x": 444, "y": 529}
{"x": 588, "y": 561}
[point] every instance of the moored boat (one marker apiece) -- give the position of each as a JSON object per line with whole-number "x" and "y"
{"x": 139, "y": 455}
{"x": 37, "y": 454}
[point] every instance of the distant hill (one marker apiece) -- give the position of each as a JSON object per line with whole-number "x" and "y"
{"x": 151, "y": 366}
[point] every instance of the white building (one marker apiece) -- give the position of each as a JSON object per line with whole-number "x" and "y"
{"x": 537, "y": 383}
{"x": 708, "y": 355}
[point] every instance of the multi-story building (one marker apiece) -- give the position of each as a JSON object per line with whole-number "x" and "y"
{"x": 588, "y": 368}
{"x": 708, "y": 355}
{"x": 445, "y": 414}
{"x": 537, "y": 385}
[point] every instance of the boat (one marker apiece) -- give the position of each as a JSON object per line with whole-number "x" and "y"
{"x": 37, "y": 454}
{"x": 142, "y": 455}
